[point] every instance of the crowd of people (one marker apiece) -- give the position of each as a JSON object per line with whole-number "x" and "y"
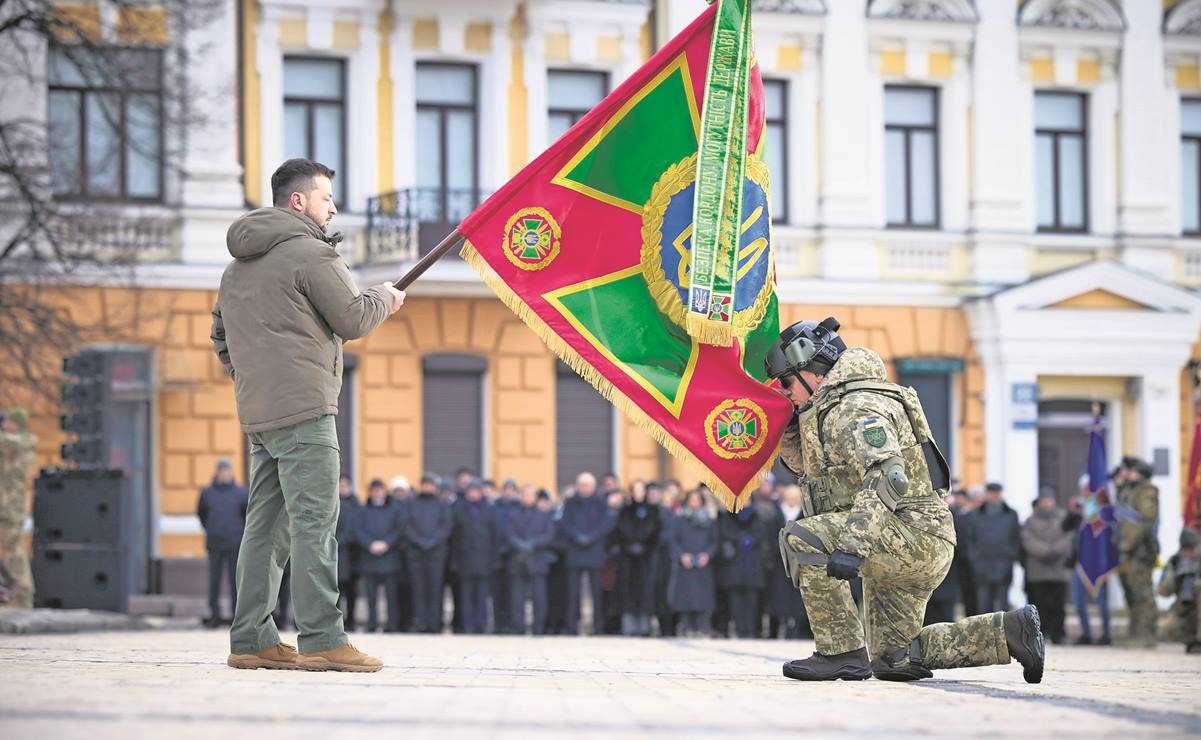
{"x": 649, "y": 558}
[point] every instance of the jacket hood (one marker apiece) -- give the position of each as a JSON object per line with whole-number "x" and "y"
{"x": 857, "y": 363}
{"x": 258, "y": 232}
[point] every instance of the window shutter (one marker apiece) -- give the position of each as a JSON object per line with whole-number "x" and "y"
{"x": 584, "y": 441}
{"x": 452, "y": 417}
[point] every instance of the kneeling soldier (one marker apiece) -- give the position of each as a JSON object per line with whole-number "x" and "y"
{"x": 873, "y": 483}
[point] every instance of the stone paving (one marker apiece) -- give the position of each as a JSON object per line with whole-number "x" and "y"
{"x": 175, "y": 685}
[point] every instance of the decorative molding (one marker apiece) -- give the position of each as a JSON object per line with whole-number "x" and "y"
{"x": 944, "y": 11}
{"x": 1074, "y": 15}
{"x": 1184, "y": 19}
{"x": 799, "y": 7}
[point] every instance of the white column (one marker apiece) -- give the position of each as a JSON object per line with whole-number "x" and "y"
{"x": 1102, "y": 166}
{"x": 404, "y": 111}
{"x": 1159, "y": 426}
{"x": 535, "y": 90}
{"x": 802, "y": 145}
{"x": 671, "y": 16}
{"x": 1148, "y": 140}
{"x": 362, "y": 154}
{"x": 270, "y": 63}
{"x": 494, "y": 111}
{"x": 953, "y": 123}
{"x": 1002, "y": 135}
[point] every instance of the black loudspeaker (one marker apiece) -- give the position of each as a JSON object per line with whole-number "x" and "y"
{"x": 81, "y": 577}
{"x": 87, "y": 507}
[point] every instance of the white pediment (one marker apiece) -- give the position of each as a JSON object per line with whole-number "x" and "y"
{"x": 1075, "y": 15}
{"x": 1131, "y": 289}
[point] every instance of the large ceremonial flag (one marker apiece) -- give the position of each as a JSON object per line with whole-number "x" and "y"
{"x": 1097, "y": 554}
{"x": 592, "y": 245}
{"x": 1192, "y": 504}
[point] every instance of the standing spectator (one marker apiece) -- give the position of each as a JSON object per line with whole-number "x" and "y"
{"x": 693, "y": 542}
{"x": 347, "y": 535}
{"x": 222, "y": 512}
{"x": 610, "y": 586}
{"x": 1047, "y": 548}
{"x": 556, "y": 576}
{"x": 381, "y": 530}
{"x": 661, "y": 562}
{"x": 610, "y": 484}
{"x": 962, "y": 562}
{"x": 638, "y": 528}
{"x": 529, "y": 532}
{"x": 585, "y": 523}
{"x": 995, "y": 538}
{"x": 427, "y": 529}
{"x": 941, "y": 606}
{"x": 508, "y": 499}
{"x": 741, "y": 567}
{"x": 475, "y": 544}
{"x": 1137, "y": 515}
{"x": 1081, "y": 595}
{"x": 402, "y": 491}
{"x": 782, "y": 601}
{"x": 18, "y": 447}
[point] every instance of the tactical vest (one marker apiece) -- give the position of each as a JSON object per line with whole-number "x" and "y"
{"x": 835, "y": 487}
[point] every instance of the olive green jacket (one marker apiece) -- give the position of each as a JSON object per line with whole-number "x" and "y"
{"x": 286, "y": 304}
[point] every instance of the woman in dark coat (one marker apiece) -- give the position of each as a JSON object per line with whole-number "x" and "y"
{"x": 692, "y": 543}
{"x": 741, "y": 567}
{"x": 380, "y": 527}
{"x": 638, "y": 528}
{"x": 782, "y": 600}
{"x": 475, "y": 545}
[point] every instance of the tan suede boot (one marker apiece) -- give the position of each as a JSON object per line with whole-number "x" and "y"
{"x": 342, "y": 658}
{"x": 279, "y": 657}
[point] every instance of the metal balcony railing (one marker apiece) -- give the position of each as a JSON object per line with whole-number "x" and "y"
{"x": 406, "y": 224}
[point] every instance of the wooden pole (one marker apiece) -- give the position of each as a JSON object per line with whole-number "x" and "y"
{"x": 448, "y": 243}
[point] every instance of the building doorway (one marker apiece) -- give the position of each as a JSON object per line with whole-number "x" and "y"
{"x": 1063, "y": 427}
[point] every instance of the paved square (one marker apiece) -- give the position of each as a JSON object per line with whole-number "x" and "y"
{"x": 175, "y": 685}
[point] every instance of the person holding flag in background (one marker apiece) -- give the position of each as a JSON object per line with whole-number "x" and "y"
{"x": 1096, "y": 553}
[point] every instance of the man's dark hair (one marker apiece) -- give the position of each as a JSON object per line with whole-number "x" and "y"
{"x": 295, "y": 176}
{"x": 994, "y": 488}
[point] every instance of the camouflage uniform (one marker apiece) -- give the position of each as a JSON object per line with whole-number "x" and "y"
{"x": 1138, "y": 547}
{"x": 907, "y": 551}
{"x": 16, "y": 457}
{"x": 1183, "y": 624}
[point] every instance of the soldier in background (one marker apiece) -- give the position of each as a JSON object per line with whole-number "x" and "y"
{"x": 1137, "y": 514}
{"x": 17, "y": 448}
{"x": 873, "y": 483}
{"x": 1179, "y": 580}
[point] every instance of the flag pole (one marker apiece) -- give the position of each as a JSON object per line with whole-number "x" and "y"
{"x": 449, "y": 242}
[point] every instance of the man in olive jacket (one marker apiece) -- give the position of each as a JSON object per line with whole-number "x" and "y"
{"x": 286, "y": 304}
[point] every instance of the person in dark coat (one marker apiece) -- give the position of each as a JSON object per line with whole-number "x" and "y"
{"x": 941, "y": 606}
{"x": 741, "y": 567}
{"x": 222, "y": 512}
{"x": 585, "y": 523}
{"x": 661, "y": 562}
{"x": 995, "y": 542}
{"x": 347, "y": 535}
{"x": 692, "y": 544}
{"x": 529, "y": 532}
{"x": 782, "y": 601}
{"x": 427, "y": 530}
{"x": 638, "y": 529}
{"x": 475, "y": 545}
{"x": 556, "y": 578}
{"x": 508, "y": 500}
{"x": 380, "y": 532}
{"x": 610, "y": 576}
{"x": 402, "y": 491}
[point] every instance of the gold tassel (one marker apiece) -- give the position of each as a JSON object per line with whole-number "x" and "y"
{"x": 705, "y": 331}
{"x": 732, "y": 501}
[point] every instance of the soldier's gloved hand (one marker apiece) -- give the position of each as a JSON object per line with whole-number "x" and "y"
{"x": 843, "y": 565}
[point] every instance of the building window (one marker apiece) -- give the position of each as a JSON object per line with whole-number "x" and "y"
{"x": 775, "y": 102}
{"x": 1060, "y": 164}
{"x": 105, "y": 123}
{"x": 1190, "y": 166}
{"x": 447, "y": 145}
{"x": 571, "y": 94}
{"x": 911, "y": 156}
{"x": 584, "y": 420}
{"x": 934, "y": 381}
{"x": 452, "y": 395}
{"x": 315, "y": 114}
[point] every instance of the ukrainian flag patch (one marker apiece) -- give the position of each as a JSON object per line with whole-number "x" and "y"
{"x": 874, "y": 433}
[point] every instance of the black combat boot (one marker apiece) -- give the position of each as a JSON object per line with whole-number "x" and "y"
{"x": 1023, "y": 635}
{"x": 850, "y": 666}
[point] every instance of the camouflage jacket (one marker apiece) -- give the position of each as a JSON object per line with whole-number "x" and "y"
{"x": 858, "y": 434}
{"x": 16, "y": 457}
{"x": 1137, "y": 513}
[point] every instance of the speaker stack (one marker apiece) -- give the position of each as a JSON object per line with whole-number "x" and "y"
{"x": 85, "y": 541}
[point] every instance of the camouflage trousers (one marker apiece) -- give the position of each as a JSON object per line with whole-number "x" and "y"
{"x": 898, "y": 577}
{"x": 1136, "y": 580}
{"x": 16, "y": 562}
{"x": 1183, "y": 624}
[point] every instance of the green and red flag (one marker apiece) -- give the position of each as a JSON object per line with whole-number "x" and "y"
{"x": 658, "y": 290}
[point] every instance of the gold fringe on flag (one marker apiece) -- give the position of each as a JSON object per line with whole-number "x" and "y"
{"x": 732, "y": 501}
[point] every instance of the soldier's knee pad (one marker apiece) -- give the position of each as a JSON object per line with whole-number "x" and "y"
{"x": 901, "y": 664}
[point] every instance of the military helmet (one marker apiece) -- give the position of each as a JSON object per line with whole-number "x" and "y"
{"x": 806, "y": 345}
